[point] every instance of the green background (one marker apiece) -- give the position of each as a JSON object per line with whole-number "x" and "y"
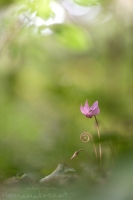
{"x": 44, "y": 80}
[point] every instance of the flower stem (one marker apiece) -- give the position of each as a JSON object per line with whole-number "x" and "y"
{"x": 98, "y": 131}
{"x": 84, "y": 152}
{"x": 93, "y": 145}
{"x": 77, "y": 152}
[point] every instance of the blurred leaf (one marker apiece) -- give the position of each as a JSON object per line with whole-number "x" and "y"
{"x": 72, "y": 37}
{"x": 22, "y": 10}
{"x": 41, "y": 7}
{"x": 90, "y": 2}
{"x": 6, "y": 2}
{"x": 58, "y": 173}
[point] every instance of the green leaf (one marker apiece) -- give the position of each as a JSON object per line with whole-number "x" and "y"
{"x": 41, "y": 7}
{"x": 72, "y": 37}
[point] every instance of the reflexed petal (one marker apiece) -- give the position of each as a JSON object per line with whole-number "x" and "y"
{"x": 96, "y": 111}
{"x": 86, "y": 106}
{"x": 95, "y": 105}
{"x": 82, "y": 110}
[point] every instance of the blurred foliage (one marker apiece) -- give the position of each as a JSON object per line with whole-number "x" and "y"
{"x": 90, "y": 2}
{"x": 7, "y": 2}
{"x": 72, "y": 37}
{"x": 42, "y": 8}
{"x": 44, "y": 77}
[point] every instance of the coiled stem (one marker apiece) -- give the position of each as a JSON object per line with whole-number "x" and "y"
{"x": 85, "y": 137}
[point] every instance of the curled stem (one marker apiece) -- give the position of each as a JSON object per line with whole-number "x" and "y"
{"x": 89, "y": 137}
{"x": 98, "y": 132}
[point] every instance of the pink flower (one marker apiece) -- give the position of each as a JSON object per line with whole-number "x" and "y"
{"x": 90, "y": 111}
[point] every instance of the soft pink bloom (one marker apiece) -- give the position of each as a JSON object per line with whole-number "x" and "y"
{"x": 90, "y": 111}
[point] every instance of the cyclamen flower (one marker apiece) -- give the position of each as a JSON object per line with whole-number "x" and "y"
{"x": 90, "y": 111}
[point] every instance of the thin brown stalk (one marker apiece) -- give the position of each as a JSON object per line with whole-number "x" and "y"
{"x": 98, "y": 132}
{"x": 93, "y": 144}
{"x": 77, "y": 152}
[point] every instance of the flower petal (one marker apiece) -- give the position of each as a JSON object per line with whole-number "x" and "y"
{"x": 86, "y": 106}
{"x": 82, "y": 110}
{"x": 95, "y": 105}
{"x": 96, "y": 111}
